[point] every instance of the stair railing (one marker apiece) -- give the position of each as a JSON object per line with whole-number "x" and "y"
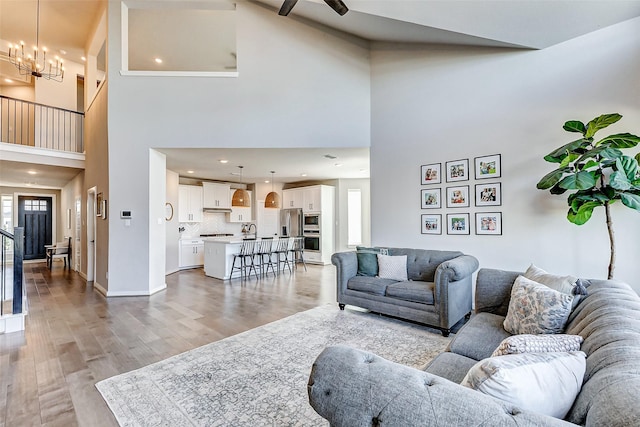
{"x": 16, "y": 293}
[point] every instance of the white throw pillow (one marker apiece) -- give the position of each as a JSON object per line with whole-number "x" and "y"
{"x": 546, "y": 343}
{"x": 564, "y": 284}
{"x": 536, "y": 309}
{"x": 392, "y": 267}
{"x": 547, "y": 383}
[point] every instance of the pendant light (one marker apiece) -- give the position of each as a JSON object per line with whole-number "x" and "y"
{"x": 273, "y": 199}
{"x": 241, "y": 196}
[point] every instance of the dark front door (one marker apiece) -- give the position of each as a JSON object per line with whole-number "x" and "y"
{"x": 34, "y": 214}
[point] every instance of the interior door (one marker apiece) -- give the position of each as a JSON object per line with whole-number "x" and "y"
{"x": 35, "y": 215}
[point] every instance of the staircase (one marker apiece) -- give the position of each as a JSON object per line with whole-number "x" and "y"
{"x": 13, "y": 307}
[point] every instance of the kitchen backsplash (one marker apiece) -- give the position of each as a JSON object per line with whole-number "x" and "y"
{"x": 212, "y": 223}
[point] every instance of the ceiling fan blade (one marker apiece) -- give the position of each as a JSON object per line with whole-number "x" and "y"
{"x": 287, "y": 6}
{"x": 338, "y": 6}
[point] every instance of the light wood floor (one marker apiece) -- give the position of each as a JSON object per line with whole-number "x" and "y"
{"x": 75, "y": 337}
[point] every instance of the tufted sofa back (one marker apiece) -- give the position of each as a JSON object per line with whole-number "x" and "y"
{"x": 422, "y": 263}
{"x": 609, "y": 321}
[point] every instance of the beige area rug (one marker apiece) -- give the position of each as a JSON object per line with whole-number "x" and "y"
{"x": 259, "y": 377}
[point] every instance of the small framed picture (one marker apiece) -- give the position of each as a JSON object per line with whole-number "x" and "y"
{"x": 432, "y": 224}
{"x": 458, "y": 223}
{"x": 488, "y": 166}
{"x": 458, "y": 197}
{"x": 457, "y": 170}
{"x": 431, "y": 174}
{"x": 431, "y": 198}
{"x": 489, "y": 223}
{"x": 489, "y": 194}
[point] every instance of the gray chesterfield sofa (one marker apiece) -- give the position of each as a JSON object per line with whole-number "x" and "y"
{"x": 350, "y": 387}
{"x": 438, "y": 293}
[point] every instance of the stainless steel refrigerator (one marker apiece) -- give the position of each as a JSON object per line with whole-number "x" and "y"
{"x": 290, "y": 222}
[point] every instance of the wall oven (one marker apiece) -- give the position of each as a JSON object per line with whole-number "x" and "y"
{"x": 311, "y": 221}
{"x": 312, "y": 242}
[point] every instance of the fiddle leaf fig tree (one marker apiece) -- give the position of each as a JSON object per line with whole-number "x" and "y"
{"x": 596, "y": 173}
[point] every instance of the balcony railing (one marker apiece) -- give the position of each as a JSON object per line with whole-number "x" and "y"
{"x": 37, "y": 125}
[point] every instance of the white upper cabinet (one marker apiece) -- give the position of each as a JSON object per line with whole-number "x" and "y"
{"x": 216, "y": 195}
{"x": 189, "y": 203}
{"x": 239, "y": 214}
{"x": 293, "y": 198}
{"x": 312, "y": 197}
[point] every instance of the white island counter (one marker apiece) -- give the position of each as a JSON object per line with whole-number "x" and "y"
{"x": 218, "y": 256}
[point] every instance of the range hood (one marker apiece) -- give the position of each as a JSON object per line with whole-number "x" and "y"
{"x": 218, "y": 210}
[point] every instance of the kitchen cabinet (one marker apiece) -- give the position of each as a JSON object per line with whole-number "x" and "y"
{"x": 293, "y": 198}
{"x": 191, "y": 253}
{"x": 238, "y": 213}
{"x": 216, "y": 195}
{"x": 189, "y": 203}
{"x": 312, "y": 197}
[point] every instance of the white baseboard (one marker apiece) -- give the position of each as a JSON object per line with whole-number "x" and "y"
{"x": 12, "y": 323}
{"x": 175, "y": 270}
{"x": 84, "y": 276}
{"x": 134, "y": 293}
{"x": 100, "y": 289}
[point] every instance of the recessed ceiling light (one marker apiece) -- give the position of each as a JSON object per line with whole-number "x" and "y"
{"x": 189, "y": 171}
{"x": 337, "y": 164}
{"x": 223, "y": 161}
{"x": 235, "y": 173}
{"x": 303, "y": 174}
{"x": 32, "y": 172}
{"x": 83, "y": 58}
{"x": 63, "y": 52}
{"x": 329, "y": 156}
{"x": 8, "y": 80}
{"x": 158, "y": 61}
{"x": 266, "y": 181}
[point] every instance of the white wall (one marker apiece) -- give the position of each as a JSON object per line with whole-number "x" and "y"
{"x": 445, "y": 103}
{"x": 60, "y": 94}
{"x": 298, "y": 87}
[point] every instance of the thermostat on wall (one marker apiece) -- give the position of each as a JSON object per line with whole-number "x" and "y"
{"x": 125, "y": 214}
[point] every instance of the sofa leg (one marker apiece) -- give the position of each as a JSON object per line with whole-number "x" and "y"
{"x": 446, "y": 332}
{"x": 341, "y": 306}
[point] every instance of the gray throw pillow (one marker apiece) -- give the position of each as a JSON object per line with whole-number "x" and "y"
{"x": 536, "y": 309}
{"x": 368, "y": 260}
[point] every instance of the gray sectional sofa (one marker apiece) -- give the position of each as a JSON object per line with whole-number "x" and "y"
{"x": 438, "y": 291}
{"x": 350, "y": 387}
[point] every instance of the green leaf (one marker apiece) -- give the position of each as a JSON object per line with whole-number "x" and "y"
{"x": 630, "y": 200}
{"x": 620, "y": 140}
{"x": 610, "y": 153}
{"x": 637, "y": 157}
{"x": 583, "y": 214}
{"x": 629, "y": 166}
{"x": 619, "y": 181}
{"x": 570, "y": 158}
{"x": 600, "y": 123}
{"x": 603, "y": 151}
{"x": 575, "y": 126}
{"x": 551, "y": 179}
{"x": 557, "y": 155}
{"x": 578, "y": 181}
{"x": 590, "y": 164}
{"x": 557, "y": 190}
{"x": 609, "y": 192}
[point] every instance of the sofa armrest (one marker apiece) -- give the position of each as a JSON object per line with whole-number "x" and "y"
{"x": 346, "y": 267}
{"x": 493, "y": 290}
{"x": 352, "y": 388}
{"x": 453, "y": 292}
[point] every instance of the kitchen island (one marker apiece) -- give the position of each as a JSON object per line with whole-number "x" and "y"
{"x": 218, "y": 256}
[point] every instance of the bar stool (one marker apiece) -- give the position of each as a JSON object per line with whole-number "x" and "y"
{"x": 262, "y": 252}
{"x": 298, "y": 252}
{"x": 282, "y": 252}
{"x": 246, "y": 260}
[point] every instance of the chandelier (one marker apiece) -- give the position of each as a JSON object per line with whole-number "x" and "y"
{"x": 36, "y": 65}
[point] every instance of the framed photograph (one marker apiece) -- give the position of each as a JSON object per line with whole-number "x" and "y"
{"x": 432, "y": 224}
{"x": 488, "y": 166}
{"x": 458, "y": 223}
{"x": 431, "y": 198}
{"x": 489, "y": 223}
{"x": 431, "y": 174}
{"x": 457, "y": 170}
{"x": 99, "y": 207}
{"x": 489, "y": 194}
{"x": 458, "y": 197}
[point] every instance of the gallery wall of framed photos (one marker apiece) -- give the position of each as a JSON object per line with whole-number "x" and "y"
{"x": 451, "y": 188}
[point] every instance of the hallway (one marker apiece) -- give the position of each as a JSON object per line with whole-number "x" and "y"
{"x": 75, "y": 337}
